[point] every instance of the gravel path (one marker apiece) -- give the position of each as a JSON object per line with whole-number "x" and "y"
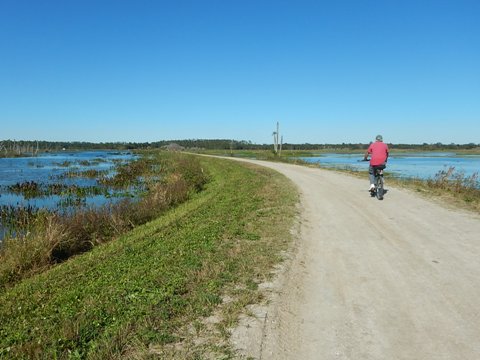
{"x": 370, "y": 279}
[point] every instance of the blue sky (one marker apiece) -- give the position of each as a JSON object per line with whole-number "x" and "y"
{"x": 328, "y": 71}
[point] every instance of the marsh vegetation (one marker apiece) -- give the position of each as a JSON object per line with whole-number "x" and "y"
{"x": 36, "y": 238}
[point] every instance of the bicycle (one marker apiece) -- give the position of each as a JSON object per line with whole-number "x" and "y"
{"x": 378, "y": 190}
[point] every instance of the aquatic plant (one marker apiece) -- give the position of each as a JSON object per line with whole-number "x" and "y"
{"x": 118, "y": 161}
{"x": 71, "y": 202}
{"x": 18, "y": 219}
{"x": 75, "y": 190}
{"x": 89, "y": 174}
{"x": 65, "y": 163}
{"x": 32, "y": 189}
{"x": 129, "y": 174}
{"x": 29, "y": 189}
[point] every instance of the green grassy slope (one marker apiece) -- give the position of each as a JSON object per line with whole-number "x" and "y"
{"x": 135, "y": 294}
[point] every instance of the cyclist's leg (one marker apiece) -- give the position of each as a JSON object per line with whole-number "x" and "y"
{"x": 371, "y": 175}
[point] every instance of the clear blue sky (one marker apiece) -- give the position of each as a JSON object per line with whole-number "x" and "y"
{"x": 328, "y": 71}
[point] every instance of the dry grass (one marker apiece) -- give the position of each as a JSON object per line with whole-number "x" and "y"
{"x": 32, "y": 252}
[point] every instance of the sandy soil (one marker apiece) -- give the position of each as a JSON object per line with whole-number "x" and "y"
{"x": 370, "y": 279}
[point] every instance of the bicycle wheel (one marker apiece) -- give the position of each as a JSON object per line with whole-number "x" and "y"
{"x": 379, "y": 187}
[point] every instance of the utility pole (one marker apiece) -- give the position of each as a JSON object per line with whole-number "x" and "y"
{"x": 275, "y": 139}
{"x": 274, "y": 142}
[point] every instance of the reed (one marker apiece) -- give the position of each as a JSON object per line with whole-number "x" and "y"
{"x": 458, "y": 184}
{"x": 455, "y": 181}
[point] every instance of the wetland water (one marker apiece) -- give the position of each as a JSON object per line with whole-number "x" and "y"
{"x": 60, "y": 182}
{"x": 406, "y": 165}
{"x": 57, "y": 168}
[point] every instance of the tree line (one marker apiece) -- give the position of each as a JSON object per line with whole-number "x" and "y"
{"x": 29, "y": 147}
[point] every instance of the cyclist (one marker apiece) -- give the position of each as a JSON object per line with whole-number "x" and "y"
{"x": 378, "y": 152}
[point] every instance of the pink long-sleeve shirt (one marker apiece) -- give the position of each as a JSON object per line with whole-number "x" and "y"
{"x": 378, "y": 153}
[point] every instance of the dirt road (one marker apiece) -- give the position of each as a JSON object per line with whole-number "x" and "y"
{"x": 369, "y": 279}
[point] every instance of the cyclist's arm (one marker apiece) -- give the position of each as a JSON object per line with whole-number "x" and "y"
{"x": 365, "y": 157}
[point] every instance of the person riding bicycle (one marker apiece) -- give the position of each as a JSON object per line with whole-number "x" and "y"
{"x": 378, "y": 152}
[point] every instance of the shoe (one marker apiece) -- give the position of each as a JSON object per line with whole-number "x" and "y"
{"x": 372, "y": 187}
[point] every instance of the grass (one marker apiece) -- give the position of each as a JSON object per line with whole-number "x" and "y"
{"x": 146, "y": 294}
